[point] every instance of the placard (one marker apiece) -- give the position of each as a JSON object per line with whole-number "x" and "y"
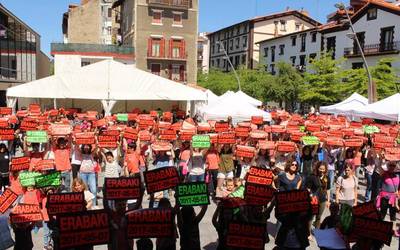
{"x": 285, "y": 146}
{"x": 87, "y": 228}
{"x": 267, "y": 145}
{"x": 85, "y": 138}
{"x": 24, "y": 213}
{"x": 373, "y": 229}
{"x": 5, "y": 111}
{"x": 144, "y": 135}
{"x": 38, "y": 136}
{"x": 28, "y": 125}
{"x": 201, "y": 141}
{"x": 277, "y": 129}
{"x": 193, "y": 194}
{"x": 310, "y": 140}
{"x": 60, "y": 129}
{"x": 167, "y": 134}
{"x": 258, "y": 134}
{"x": 226, "y": 138}
{"x": 107, "y": 141}
{"x": 161, "y": 179}
{"x": 27, "y": 179}
{"x": 245, "y": 151}
{"x": 7, "y": 134}
{"x": 295, "y": 201}
{"x": 126, "y": 188}
{"x": 258, "y": 120}
{"x": 246, "y": 235}
{"x": 130, "y": 133}
{"x": 151, "y": 223}
{"x": 353, "y": 142}
{"x": 260, "y": 176}
{"x": 242, "y": 131}
{"x": 45, "y": 165}
{"x": 48, "y": 180}
{"x": 7, "y": 198}
{"x": 122, "y": 117}
{"x": 258, "y": 195}
{"x": 221, "y": 127}
{"x": 367, "y": 210}
{"x": 371, "y": 129}
{"x": 20, "y": 163}
{"x": 65, "y": 203}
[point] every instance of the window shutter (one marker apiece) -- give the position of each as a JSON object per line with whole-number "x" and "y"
{"x": 182, "y": 73}
{"x": 162, "y": 45}
{"x": 170, "y": 71}
{"x": 170, "y": 49}
{"x": 183, "y": 51}
{"x": 149, "y": 47}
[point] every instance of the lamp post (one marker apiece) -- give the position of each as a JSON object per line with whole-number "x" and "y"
{"x": 230, "y": 63}
{"x": 353, "y": 35}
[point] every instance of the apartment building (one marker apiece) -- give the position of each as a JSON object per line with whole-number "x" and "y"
{"x": 240, "y": 40}
{"x": 91, "y": 33}
{"x": 377, "y": 24}
{"x": 164, "y": 34}
{"x": 203, "y": 50}
{"x": 21, "y": 58}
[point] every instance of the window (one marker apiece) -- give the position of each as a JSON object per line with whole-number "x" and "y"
{"x": 224, "y": 45}
{"x": 297, "y": 26}
{"x": 231, "y": 44}
{"x": 244, "y": 59}
{"x": 313, "y": 37}
{"x": 212, "y": 63}
{"x": 283, "y": 25}
{"x": 273, "y": 54}
{"x": 157, "y": 17}
{"x": 361, "y": 39}
{"x": 293, "y": 38}
{"x": 303, "y": 42}
{"x": 302, "y": 60}
{"x": 266, "y": 52}
{"x": 83, "y": 64}
{"x": 293, "y": 60}
{"x": 244, "y": 41}
{"x": 177, "y": 19}
{"x": 177, "y": 48}
{"x": 272, "y": 66}
{"x": 357, "y": 65}
{"x": 213, "y": 49}
{"x": 176, "y": 73}
{"x": 218, "y": 61}
{"x": 331, "y": 45}
{"x": 281, "y": 49}
{"x": 156, "y": 69}
{"x": 312, "y": 57}
{"x": 155, "y": 47}
{"x": 237, "y": 61}
{"x": 218, "y": 48}
{"x": 387, "y": 37}
{"x": 372, "y": 14}
{"x": 237, "y": 42}
{"x": 237, "y": 30}
{"x": 109, "y": 14}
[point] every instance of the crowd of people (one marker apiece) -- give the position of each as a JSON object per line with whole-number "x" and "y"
{"x": 84, "y": 149}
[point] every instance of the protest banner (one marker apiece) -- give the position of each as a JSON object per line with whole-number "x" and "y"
{"x": 27, "y": 179}
{"x": 245, "y": 151}
{"x": 24, "y": 213}
{"x": 85, "y": 138}
{"x": 378, "y": 230}
{"x": 151, "y": 223}
{"x": 367, "y": 210}
{"x": 65, "y": 203}
{"x": 226, "y": 138}
{"x": 161, "y": 179}
{"x": 193, "y": 194}
{"x": 20, "y": 163}
{"x": 107, "y": 141}
{"x": 161, "y": 146}
{"x": 126, "y": 188}
{"x": 87, "y": 228}
{"x": 258, "y": 134}
{"x": 258, "y": 120}
{"x": 7, "y": 198}
{"x": 310, "y": 140}
{"x": 5, "y": 111}
{"x": 167, "y": 134}
{"x": 266, "y": 145}
{"x": 295, "y": 201}
{"x": 45, "y": 165}
{"x": 334, "y": 141}
{"x": 258, "y": 195}
{"x": 60, "y": 129}
{"x": 48, "y": 180}
{"x": 4, "y": 122}
{"x": 220, "y": 127}
{"x": 186, "y": 135}
{"x": 246, "y": 235}
{"x": 7, "y": 134}
{"x": 201, "y": 141}
{"x": 354, "y": 142}
{"x": 130, "y": 133}
{"x": 285, "y": 146}
{"x": 260, "y": 176}
{"x": 28, "y": 125}
{"x": 242, "y": 131}
{"x": 37, "y": 136}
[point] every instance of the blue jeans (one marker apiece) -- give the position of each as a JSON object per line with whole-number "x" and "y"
{"x": 90, "y": 180}
{"x": 368, "y": 190}
{"x": 66, "y": 181}
{"x": 196, "y": 178}
{"x": 331, "y": 177}
{"x": 46, "y": 234}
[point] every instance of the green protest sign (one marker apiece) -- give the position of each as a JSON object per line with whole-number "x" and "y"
{"x": 37, "y": 136}
{"x": 310, "y": 140}
{"x": 122, "y": 117}
{"x": 201, "y": 141}
{"x": 371, "y": 129}
{"x": 302, "y": 128}
{"x": 28, "y": 178}
{"x": 53, "y": 179}
{"x": 193, "y": 194}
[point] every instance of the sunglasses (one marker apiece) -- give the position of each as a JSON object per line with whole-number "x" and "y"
{"x": 294, "y": 164}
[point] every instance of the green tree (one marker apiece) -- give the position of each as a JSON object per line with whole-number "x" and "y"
{"x": 323, "y": 81}
{"x": 254, "y": 82}
{"x": 217, "y": 81}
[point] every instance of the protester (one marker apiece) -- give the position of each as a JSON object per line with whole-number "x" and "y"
{"x": 196, "y": 165}
{"x": 4, "y": 166}
{"x": 188, "y": 223}
{"x": 62, "y": 161}
{"x": 289, "y": 179}
{"x": 78, "y": 185}
{"x": 226, "y": 165}
{"x": 87, "y": 171}
{"x": 346, "y": 187}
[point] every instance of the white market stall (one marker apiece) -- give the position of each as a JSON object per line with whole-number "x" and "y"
{"x": 249, "y": 99}
{"x": 387, "y": 109}
{"x": 346, "y": 107}
{"x": 107, "y": 81}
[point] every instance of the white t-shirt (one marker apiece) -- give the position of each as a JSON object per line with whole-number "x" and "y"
{"x": 112, "y": 170}
{"x": 88, "y": 196}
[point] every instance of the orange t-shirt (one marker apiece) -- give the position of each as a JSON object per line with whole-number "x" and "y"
{"x": 31, "y": 197}
{"x": 133, "y": 160}
{"x": 212, "y": 160}
{"x": 15, "y": 185}
{"x": 61, "y": 158}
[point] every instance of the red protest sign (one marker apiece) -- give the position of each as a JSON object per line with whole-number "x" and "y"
{"x": 226, "y": 138}
{"x": 122, "y": 188}
{"x": 221, "y": 127}
{"x": 277, "y": 129}
{"x": 334, "y": 141}
{"x": 242, "y": 131}
{"x": 353, "y": 142}
{"x": 186, "y": 135}
{"x": 151, "y": 223}
{"x": 378, "y": 230}
{"x": 295, "y": 201}
{"x": 296, "y": 136}
{"x": 4, "y": 122}
{"x": 130, "y": 133}
{"x": 313, "y": 127}
{"x": 161, "y": 179}
{"x": 85, "y": 138}
{"x": 258, "y": 195}
{"x": 267, "y": 145}
{"x": 64, "y": 203}
{"x": 28, "y": 125}
{"x": 260, "y": 176}
{"x": 203, "y": 127}
{"x": 20, "y": 163}
{"x": 246, "y": 235}
{"x": 6, "y": 134}
{"x": 24, "y": 213}
{"x": 367, "y": 210}
{"x": 245, "y": 151}
{"x": 144, "y": 135}
{"x": 258, "y": 134}
{"x": 45, "y": 165}
{"x": 258, "y": 120}
{"x": 5, "y": 111}
{"x": 285, "y": 146}
{"x": 167, "y": 134}
{"x": 34, "y": 108}
{"x": 87, "y": 228}
{"x": 60, "y": 129}
{"x": 107, "y": 141}
{"x": 7, "y": 198}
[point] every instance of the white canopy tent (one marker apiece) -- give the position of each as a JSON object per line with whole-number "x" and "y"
{"x": 346, "y": 107}
{"x": 248, "y": 98}
{"x": 387, "y": 109}
{"x": 108, "y": 81}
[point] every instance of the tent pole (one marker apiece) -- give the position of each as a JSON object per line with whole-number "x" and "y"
{"x": 55, "y": 103}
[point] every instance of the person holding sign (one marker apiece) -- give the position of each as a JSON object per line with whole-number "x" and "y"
{"x": 212, "y": 160}
{"x": 289, "y": 179}
{"x": 188, "y": 223}
{"x": 78, "y": 185}
{"x": 87, "y": 170}
{"x": 62, "y": 153}
{"x": 196, "y": 165}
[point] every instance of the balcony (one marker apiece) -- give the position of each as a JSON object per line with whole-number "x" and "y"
{"x": 374, "y": 49}
{"x": 183, "y": 4}
{"x": 162, "y": 56}
{"x": 93, "y": 50}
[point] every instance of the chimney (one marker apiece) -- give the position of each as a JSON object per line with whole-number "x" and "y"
{"x": 358, "y": 4}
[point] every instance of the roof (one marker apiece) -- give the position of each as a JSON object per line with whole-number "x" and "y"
{"x": 289, "y": 34}
{"x": 2, "y": 7}
{"x": 390, "y": 7}
{"x": 296, "y": 13}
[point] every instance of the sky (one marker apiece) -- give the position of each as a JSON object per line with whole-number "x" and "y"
{"x": 45, "y": 16}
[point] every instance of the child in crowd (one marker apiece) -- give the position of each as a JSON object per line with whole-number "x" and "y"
{"x": 229, "y": 188}
{"x": 112, "y": 168}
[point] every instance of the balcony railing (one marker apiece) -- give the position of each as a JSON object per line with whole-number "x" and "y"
{"x": 91, "y": 48}
{"x": 373, "y": 49}
{"x": 173, "y": 3}
{"x": 165, "y": 56}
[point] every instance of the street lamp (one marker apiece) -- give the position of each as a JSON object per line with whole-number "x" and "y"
{"x": 230, "y": 63}
{"x": 353, "y": 35}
